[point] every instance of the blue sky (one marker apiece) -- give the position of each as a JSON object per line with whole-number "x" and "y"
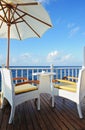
{"x": 61, "y": 45}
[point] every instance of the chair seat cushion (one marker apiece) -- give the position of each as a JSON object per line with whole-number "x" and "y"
{"x": 25, "y": 88}
{"x": 64, "y": 86}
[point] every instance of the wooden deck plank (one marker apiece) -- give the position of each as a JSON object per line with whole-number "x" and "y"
{"x": 73, "y": 107}
{"x": 63, "y": 116}
{"x": 74, "y": 122}
{"x": 72, "y": 116}
{"x": 1, "y": 116}
{"x": 50, "y": 116}
{"x": 5, "y": 119}
{"x": 45, "y": 117}
{"x": 61, "y": 120}
{"x": 17, "y": 123}
{"x": 53, "y": 115}
{"x": 33, "y": 118}
{"x": 28, "y": 117}
{"x": 39, "y": 117}
{"x": 22, "y": 117}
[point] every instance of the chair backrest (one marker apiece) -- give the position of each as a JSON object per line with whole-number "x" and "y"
{"x": 8, "y": 90}
{"x": 81, "y": 84}
{"x": 45, "y": 84}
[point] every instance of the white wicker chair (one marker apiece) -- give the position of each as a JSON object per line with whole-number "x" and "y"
{"x": 16, "y": 95}
{"x": 71, "y": 90}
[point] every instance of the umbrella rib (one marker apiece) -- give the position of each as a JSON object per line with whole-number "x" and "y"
{"x": 35, "y": 18}
{"x": 4, "y": 1}
{"x": 12, "y": 14}
{"x": 33, "y": 3}
{"x": 16, "y": 27}
{"x": 15, "y": 20}
{"x": 20, "y": 4}
{"x": 3, "y": 7}
{"x": 40, "y": 20}
{"x": 18, "y": 31}
{"x": 1, "y": 24}
{"x": 3, "y": 11}
{"x": 2, "y": 19}
{"x": 28, "y": 25}
{"x": 12, "y": 17}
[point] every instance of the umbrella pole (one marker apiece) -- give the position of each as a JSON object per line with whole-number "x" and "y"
{"x": 8, "y": 47}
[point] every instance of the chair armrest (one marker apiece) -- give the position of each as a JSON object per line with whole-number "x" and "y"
{"x": 28, "y": 81}
{"x": 25, "y": 81}
{"x": 69, "y": 77}
{"x": 54, "y": 80}
{"x": 20, "y": 78}
{"x": 34, "y": 81}
{"x": 64, "y": 81}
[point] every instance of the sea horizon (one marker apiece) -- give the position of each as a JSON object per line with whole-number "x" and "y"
{"x": 41, "y": 66}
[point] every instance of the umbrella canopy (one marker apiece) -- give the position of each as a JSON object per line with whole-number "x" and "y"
{"x": 21, "y": 19}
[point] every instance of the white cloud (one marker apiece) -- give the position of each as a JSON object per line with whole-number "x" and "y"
{"x": 70, "y": 25}
{"x": 60, "y": 21}
{"x": 66, "y": 57}
{"x": 52, "y": 56}
{"x": 23, "y": 59}
{"x": 59, "y": 58}
{"x": 25, "y": 56}
{"x": 73, "y": 31}
{"x": 26, "y": 59}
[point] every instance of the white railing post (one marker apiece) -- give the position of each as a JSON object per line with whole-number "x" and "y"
{"x": 60, "y": 73}
{"x": 51, "y": 78}
{"x": 27, "y": 73}
{"x": 51, "y": 67}
{"x": 16, "y": 76}
{"x": 22, "y": 74}
{"x": 64, "y": 72}
{"x": 32, "y": 74}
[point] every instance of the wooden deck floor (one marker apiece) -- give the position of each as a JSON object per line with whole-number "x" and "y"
{"x": 63, "y": 116}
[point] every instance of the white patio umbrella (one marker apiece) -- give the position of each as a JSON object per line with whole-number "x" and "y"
{"x": 21, "y": 19}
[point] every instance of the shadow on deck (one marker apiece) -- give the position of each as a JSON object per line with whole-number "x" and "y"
{"x": 63, "y": 116}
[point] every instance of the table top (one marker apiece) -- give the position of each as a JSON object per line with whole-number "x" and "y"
{"x": 44, "y": 73}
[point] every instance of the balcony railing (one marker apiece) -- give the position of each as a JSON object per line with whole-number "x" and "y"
{"x": 60, "y": 72}
{"x": 28, "y": 72}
